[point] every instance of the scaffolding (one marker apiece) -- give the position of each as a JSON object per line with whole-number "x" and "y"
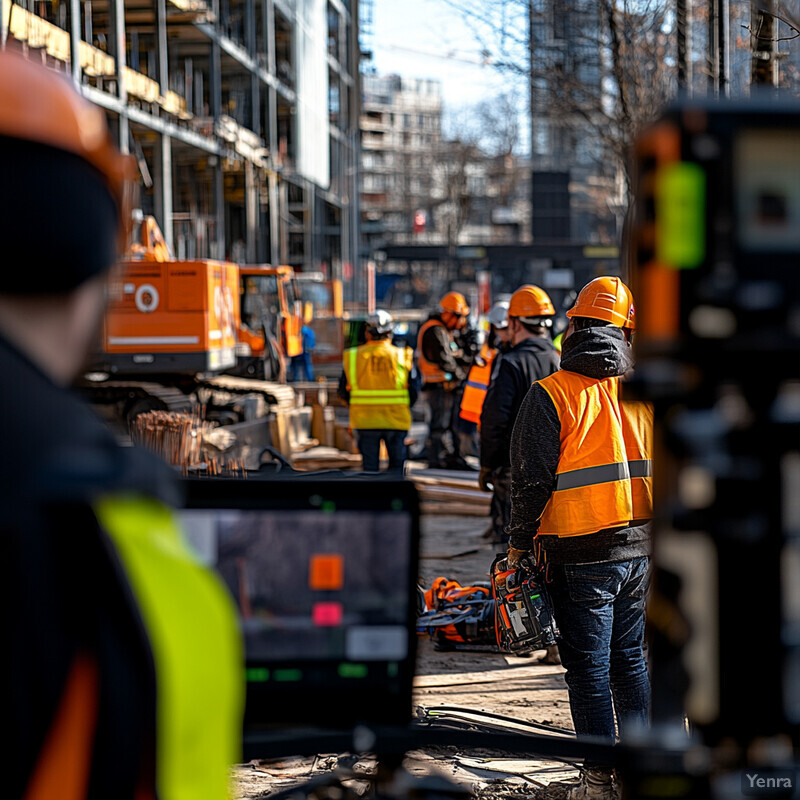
{"x": 205, "y": 94}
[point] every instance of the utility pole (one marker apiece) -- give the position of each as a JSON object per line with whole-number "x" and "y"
{"x": 531, "y": 97}
{"x": 531, "y": 106}
{"x": 683, "y": 13}
{"x": 719, "y": 47}
{"x": 763, "y": 40}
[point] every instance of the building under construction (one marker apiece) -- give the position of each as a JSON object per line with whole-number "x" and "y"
{"x": 242, "y": 114}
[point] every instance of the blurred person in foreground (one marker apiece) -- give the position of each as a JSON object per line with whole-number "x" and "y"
{"x": 127, "y": 675}
{"x": 582, "y": 499}
{"x": 380, "y": 384}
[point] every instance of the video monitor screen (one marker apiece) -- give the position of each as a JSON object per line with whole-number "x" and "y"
{"x": 324, "y": 579}
{"x": 767, "y": 164}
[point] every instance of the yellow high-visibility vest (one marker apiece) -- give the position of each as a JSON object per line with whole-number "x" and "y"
{"x": 191, "y": 623}
{"x": 377, "y": 379}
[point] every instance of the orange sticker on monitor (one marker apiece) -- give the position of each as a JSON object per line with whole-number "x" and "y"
{"x": 326, "y": 571}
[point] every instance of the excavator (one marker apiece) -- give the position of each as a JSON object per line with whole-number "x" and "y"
{"x": 272, "y": 316}
{"x": 174, "y": 334}
{"x": 324, "y": 297}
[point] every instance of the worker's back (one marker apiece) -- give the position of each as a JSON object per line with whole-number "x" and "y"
{"x": 378, "y": 381}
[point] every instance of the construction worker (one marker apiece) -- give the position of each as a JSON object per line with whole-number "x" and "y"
{"x": 470, "y": 341}
{"x": 125, "y": 673}
{"x": 530, "y": 356}
{"x": 581, "y": 485}
{"x": 481, "y": 370}
{"x": 443, "y": 366}
{"x": 380, "y": 384}
{"x": 301, "y": 364}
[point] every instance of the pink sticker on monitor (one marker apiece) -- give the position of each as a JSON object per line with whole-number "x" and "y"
{"x": 327, "y": 615}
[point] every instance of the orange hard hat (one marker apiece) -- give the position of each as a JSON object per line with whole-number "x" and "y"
{"x": 41, "y": 106}
{"x": 530, "y": 301}
{"x": 456, "y": 303}
{"x": 606, "y": 298}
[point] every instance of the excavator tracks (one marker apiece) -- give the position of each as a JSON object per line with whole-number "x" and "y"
{"x": 274, "y": 394}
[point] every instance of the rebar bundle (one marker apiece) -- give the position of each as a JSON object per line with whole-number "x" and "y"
{"x": 178, "y": 439}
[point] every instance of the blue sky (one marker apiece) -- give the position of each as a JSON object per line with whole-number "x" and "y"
{"x": 408, "y": 34}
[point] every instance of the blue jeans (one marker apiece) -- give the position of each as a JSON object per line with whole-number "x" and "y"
{"x": 369, "y": 445}
{"x": 600, "y": 611}
{"x": 301, "y": 368}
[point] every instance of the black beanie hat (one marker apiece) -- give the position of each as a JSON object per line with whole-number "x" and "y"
{"x": 58, "y": 220}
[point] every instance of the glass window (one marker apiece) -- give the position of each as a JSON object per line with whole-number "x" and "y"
{"x": 259, "y": 299}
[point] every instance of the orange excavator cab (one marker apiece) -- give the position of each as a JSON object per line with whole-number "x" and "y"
{"x": 151, "y": 245}
{"x": 271, "y": 321}
{"x": 168, "y": 316}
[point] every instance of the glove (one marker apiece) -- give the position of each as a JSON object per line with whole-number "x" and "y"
{"x": 485, "y": 482}
{"x": 514, "y": 556}
{"x": 512, "y": 559}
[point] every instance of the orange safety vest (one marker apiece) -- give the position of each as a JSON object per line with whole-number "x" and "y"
{"x": 377, "y": 379}
{"x": 476, "y": 386}
{"x": 604, "y": 475}
{"x": 431, "y": 373}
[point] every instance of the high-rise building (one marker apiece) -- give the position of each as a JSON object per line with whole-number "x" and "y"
{"x": 575, "y": 190}
{"x": 401, "y": 129}
{"x": 242, "y": 114}
{"x": 419, "y": 187}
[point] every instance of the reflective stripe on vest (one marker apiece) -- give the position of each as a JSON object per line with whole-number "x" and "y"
{"x": 385, "y": 407}
{"x": 476, "y": 386}
{"x": 603, "y": 478}
{"x": 587, "y": 476}
{"x": 431, "y": 373}
{"x": 193, "y": 632}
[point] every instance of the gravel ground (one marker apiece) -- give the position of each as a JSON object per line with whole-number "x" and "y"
{"x": 522, "y": 688}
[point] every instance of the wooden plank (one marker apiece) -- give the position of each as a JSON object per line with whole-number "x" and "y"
{"x": 318, "y": 458}
{"x": 453, "y": 509}
{"x": 344, "y": 439}
{"x": 455, "y": 477}
{"x": 446, "y": 494}
{"x": 425, "y": 480}
{"x": 502, "y": 675}
{"x": 317, "y": 466}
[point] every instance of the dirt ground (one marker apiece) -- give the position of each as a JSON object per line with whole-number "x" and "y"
{"x": 521, "y": 688}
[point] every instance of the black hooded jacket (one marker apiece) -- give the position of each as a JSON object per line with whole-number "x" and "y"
{"x": 513, "y": 373}
{"x": 63, "y": 587}
{"x": 536, "y": 448}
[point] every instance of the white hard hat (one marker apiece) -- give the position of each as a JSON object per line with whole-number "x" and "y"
{"x": 380, "y": 322}
{"x": 498, "y": 314}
